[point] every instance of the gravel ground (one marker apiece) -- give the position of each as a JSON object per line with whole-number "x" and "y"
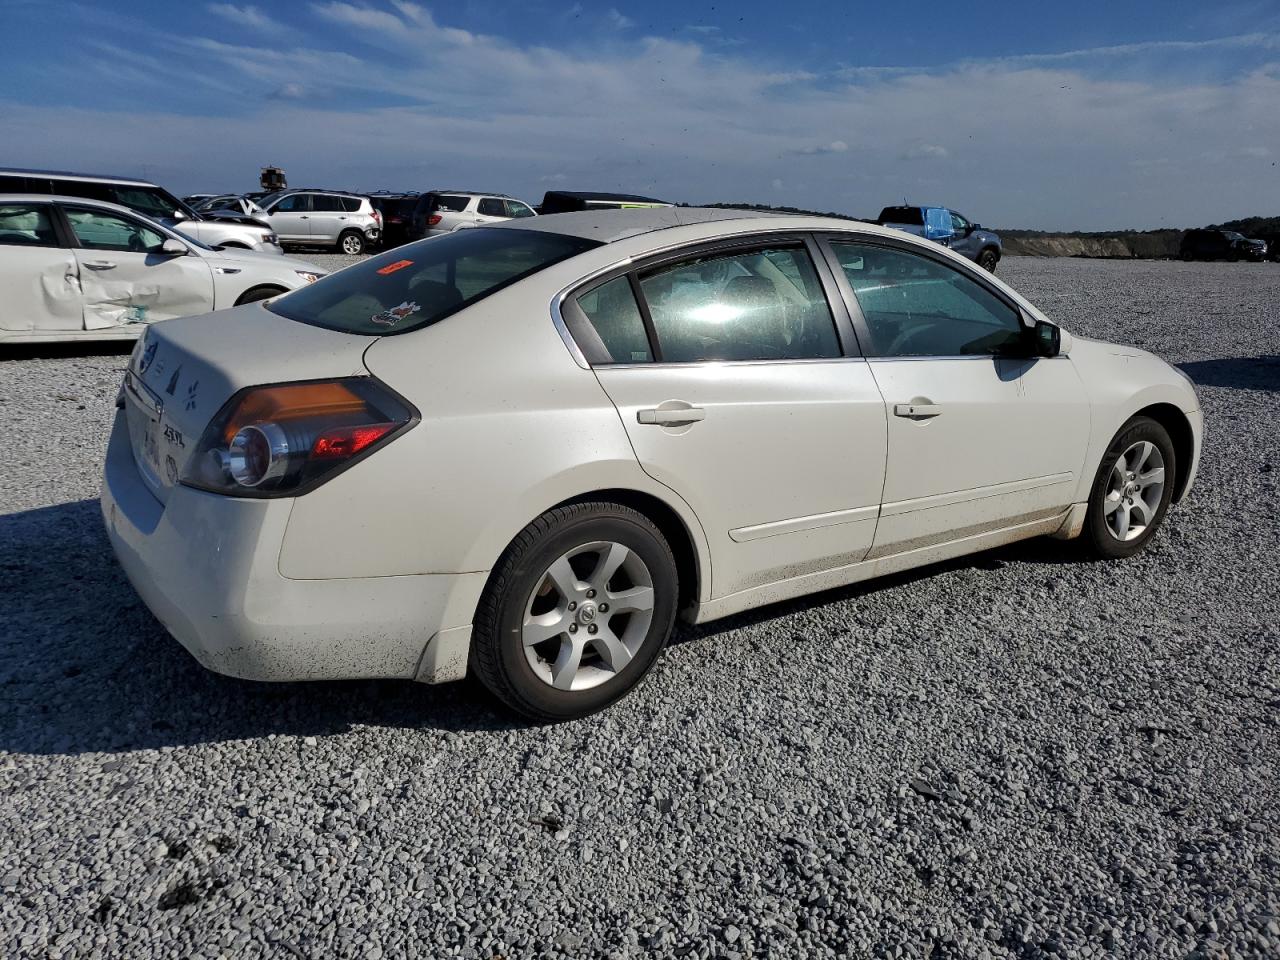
{"x": 1008, "y": 756}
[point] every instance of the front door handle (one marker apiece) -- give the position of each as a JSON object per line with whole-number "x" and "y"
{"x": 917, "y": 411}
{"x": 672, "y": 417}
{"x": 100, "y": 264}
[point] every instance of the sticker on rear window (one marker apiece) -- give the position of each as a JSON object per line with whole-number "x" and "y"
{"x": 393, "y": 267}
{"x": 389, "y": 318}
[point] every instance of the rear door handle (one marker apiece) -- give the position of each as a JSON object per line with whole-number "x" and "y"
{"x": 917, "y": 411}
{"x": 100, "y": 264}
{"x": 671, "y": 417}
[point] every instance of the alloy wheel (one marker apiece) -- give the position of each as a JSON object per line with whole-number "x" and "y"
{"x": 1134, "y": 491}
{"x": 588, "y": 616}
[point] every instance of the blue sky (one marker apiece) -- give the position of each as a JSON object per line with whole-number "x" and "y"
{"x": 1069, "y": 116}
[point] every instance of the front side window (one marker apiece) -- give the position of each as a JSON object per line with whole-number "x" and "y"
{"x": 917, "y": 307}
{"x": 97, "y": 230}
{"x": 762, "y": 304}
{"x": 26, "y": 225}
{"x": 417, "y": 285}
{"x": 958, "y": 223}
{"x": 492, "y": 207}
{"x": 294, "y": 203}
{"x": 517, "y": 209}
{"x": 615, "y": 318}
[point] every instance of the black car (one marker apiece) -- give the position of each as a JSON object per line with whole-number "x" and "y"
{"x": 1221, "y": 245}
{"x": 397, "y": 216}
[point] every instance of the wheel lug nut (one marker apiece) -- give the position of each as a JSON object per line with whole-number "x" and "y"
{"x": 573, "y": 628}
{"x": 604, "y": 608}
{"x": 573, "y": 604}
{"x": 591, "y": 629}
{"x": 590, "y": 594}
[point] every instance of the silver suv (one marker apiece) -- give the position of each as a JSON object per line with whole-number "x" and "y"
{"x": 323, "y": 218}
{"x": 142, "y": 196}
{"x": 443, "y": 211}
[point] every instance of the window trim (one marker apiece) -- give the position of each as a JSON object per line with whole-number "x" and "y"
{"x": 827, "y": 238}
{"x": 568, "y": 316}
{"x": 55, "y": 220}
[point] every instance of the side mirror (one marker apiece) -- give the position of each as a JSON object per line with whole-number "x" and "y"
{"x": 1047, "y": 339}
{"x": 173, "y": 248}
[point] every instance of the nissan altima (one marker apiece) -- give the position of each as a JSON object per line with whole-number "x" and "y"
{"x": 523, "y": 450}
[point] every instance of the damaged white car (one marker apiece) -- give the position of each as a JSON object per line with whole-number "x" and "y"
{"x": 73, "y": 269}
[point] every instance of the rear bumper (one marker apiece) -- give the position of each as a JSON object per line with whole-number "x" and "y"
{"x": 207, "y": 566}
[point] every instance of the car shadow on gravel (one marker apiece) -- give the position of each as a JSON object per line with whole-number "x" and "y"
{"x": 1241, "y": 373}
{"x": 85, "y": 668}
{"x": 61, "y": 351}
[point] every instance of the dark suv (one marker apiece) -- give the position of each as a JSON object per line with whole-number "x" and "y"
{"x": 397, "y": 215}
{"x": 1221, "y": 245}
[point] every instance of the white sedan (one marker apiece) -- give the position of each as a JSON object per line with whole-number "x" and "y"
{"x": 522, "y": 450}
{"x": 76, "y": 269}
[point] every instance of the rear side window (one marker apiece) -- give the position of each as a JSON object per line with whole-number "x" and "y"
{"x": 419, "y": 284}
{"x": 326, "y": 203}
{"x": 492, "y": 207}
{"x": 350, "y": 204}
{"x": 26, "y": 225}
{"x": 611, "y": 309}
{"x": 909, "y": 216}
{"x": 447, "y": 202}
{"x": 763, "y": 304}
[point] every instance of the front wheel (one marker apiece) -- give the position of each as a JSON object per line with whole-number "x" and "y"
{"x": 1132, "y": 490}
{"x": 351, "y": 243}
{"x": 987, "y": 260}
{"x": 576, "y": 611}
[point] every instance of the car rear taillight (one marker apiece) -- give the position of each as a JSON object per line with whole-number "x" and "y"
{"x": 434, "y": 219}
{"x": 377, "y": 218}
{"x": 284, "y": 440}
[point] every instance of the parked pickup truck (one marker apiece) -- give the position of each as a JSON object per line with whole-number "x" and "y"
{"x": 948, "y": 228}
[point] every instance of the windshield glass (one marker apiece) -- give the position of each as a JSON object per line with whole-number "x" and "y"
{"x": 419, "y": 284}
{"x": 1232, "y": 235}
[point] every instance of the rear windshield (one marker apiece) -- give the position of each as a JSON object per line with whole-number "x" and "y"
{"x": 908, "y": 216}
{"x": 421, "y": 283}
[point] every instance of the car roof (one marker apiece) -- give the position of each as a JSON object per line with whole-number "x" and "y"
{"x": 475, "y": 193}
{"x": 604, "y": 197}
{"x": 68, "y": 175}
{"x": 608, "y": 226}
{"x": 78, "y": 201}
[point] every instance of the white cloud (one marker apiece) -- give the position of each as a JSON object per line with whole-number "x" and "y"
{"x": 246, "y": 16}
{"x": 620, "y": 21}
{"x": 1026, "y": 144}
{"x": 925, "y": 151}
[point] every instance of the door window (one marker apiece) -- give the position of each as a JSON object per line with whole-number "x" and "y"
{"x": 958, "y": 223}
{"x": 97, "y": 230}
{"x": 294, "y": 203}
{"x": 611, "y": 309}
{"x": 26, "y": 225}
{"x": 326, "y": 203}
{"x": 517, "y": 209}
{"x": 492, "y": 207}
{"x": 762, "y": 304}
{"x": 917, "y": 307}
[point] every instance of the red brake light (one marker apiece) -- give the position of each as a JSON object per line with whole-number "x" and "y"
{"x": 348, "y": 441}
{"x": 433, "y": 219}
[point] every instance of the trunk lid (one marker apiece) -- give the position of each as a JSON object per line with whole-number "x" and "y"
{"x": 183, "y": 371}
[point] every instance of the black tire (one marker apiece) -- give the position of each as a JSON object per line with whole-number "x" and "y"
{"x": 497, "y": 647}
{"x": 1097, "y": 538}
{"x": 351, "y": 243}
{"x": 988, "y": 259}
{"x": 254, "y": 294}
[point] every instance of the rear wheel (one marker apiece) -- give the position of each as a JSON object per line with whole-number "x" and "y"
{"x": 254, "y": 294}
{"x": 987, "y": 260}
{"x": 1132, "y": 490}
{"x": 576, "y": 611}
{"x": 351, "y": 243}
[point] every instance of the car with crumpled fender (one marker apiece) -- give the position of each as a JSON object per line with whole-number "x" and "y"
{"x": 523, "y": 450}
